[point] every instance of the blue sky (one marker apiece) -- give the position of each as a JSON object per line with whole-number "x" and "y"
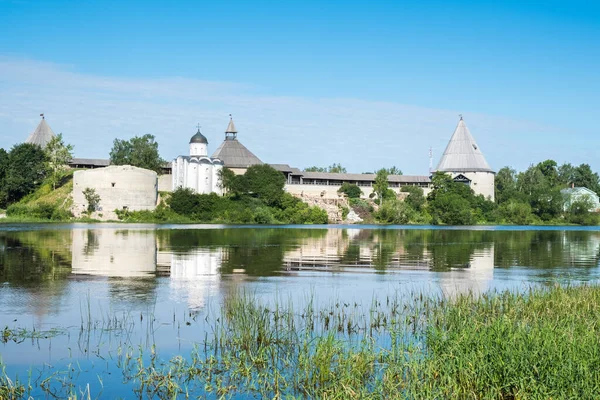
{"x": 367, "y": 84}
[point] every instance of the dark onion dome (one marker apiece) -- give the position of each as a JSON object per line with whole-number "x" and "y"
{"x": 198, "y": 138}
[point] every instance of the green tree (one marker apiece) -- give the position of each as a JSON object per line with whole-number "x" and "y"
{"x": 415, "y": 197}
{"x": 452, "y": 209}
{"x": 583, "y": 176}
{"x": 505, "y": 185}
{"x": 184, "y": 201}
{"x": 515, "y": 212}
{"x": 395, "y": 212}
{"x": 351, "y": 190}
{"x": 25, "y": 172}
{"x": 228, "y": 180}
{"x": 314, "y": 168}
{"x": 92, "y": 198}
{"x": 566, "y": 174}
{"x": 393, "y": 170}
{"x": 549, "y": 169}
{"x": 546, "y": 200}
{"x": 58, "y": 155}
{"x": 265, "y": 183}
{"x": 381, "y": 184}
{"x": 335, "y": 168}
{"x": 452, "y": 202}
{"x": 139, "y": 151}
{"x": 579, "y": 212}
{"x": 4, "y": 163}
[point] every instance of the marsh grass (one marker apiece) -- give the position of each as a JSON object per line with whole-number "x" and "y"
{"x": 539, "y": 344}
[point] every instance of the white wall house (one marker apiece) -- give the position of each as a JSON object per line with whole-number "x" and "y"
{"x": 198, "y": 171}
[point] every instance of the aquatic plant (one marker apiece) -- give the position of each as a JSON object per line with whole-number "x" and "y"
{"x": 541, "y": 343}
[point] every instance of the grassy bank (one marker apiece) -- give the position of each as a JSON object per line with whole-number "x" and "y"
{"x": 537, "y": 345}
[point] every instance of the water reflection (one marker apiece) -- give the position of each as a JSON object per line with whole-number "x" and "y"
{"x": 114, "y": 253}
{"x": 194, "y": 262}
{"x": 195, "y": 275}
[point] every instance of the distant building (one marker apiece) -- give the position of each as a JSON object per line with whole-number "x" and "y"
{"x": 465, "y": 162}
{"x": 42, "y": 134}
{"x": 198, "y": 171}
{"x": 574, "y": 194}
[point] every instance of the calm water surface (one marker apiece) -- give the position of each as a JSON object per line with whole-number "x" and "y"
{"x": 164, "y": 280}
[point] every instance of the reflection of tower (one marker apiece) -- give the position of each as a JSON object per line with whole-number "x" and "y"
{"x": 196, "y": 275}
{"x": 475, "y": 276}
{"x": 112, "y": 252}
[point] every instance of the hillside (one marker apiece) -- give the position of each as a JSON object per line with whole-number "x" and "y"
{"x": 45, "y": 203}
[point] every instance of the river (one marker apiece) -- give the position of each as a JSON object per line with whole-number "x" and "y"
{"x": 79, "y": 293}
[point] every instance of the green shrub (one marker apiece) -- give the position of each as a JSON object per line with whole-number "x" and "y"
{"x": 395, "y": 212}
{"x": 184, "y": 201}
{"x": 263, "y": 216}
{"x": 351, "y": 190}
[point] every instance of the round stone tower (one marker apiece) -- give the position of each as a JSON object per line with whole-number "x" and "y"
{"x": 465, "y": 162}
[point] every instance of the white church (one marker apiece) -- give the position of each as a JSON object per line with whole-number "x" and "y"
{"x": 198, "y": 171}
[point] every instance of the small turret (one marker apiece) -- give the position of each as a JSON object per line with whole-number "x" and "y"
{"x": 231, "y": 132}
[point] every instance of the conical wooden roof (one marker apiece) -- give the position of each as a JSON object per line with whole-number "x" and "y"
{"x": 42, "y": 134}
{"x": 235, "y": 155}
{"x": 462, "y": 153}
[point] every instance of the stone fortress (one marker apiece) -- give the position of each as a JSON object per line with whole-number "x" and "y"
{"x": 127, "y": 187}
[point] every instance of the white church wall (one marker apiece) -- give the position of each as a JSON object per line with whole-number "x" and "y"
{"x": 198, "y": 149}
{"x": 205, "y": 176}
{"x": 216, "y": 179}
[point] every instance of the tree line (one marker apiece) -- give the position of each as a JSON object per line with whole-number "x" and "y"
{"x": 530, "y": 197}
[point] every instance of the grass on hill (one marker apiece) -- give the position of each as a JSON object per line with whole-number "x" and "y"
{"x": 45, "y": 204}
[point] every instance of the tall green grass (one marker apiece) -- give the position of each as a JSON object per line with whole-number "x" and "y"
{"x": 539, "y": 344}
{"x": 536, "y": 345}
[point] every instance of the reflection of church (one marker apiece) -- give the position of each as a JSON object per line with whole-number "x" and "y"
{"x": 197, "y": 275}
{"x": 134, "y": 254}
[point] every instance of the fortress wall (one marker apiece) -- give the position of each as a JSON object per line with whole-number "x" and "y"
{"x": 118, "y": 186}
{"x": 165, "y": 183}
{"x": 330, "y": 191}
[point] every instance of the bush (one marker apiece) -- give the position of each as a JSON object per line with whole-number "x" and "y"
{"x": 184, "y": 201}
{"x": 263, "y": 216}
{"x": 415, "y": 197}
{"x": 351, "y": 190}
{"x": 515, "y": 212}
{"x": 395, "y": 212}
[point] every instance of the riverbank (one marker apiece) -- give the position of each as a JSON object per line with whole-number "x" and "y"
{"x": 537, "y": 344}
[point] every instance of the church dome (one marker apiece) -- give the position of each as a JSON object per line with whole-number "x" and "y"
{"x": 198, "y": 138}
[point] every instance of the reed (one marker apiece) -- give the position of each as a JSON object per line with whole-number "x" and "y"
{"x": 537, "y": 344}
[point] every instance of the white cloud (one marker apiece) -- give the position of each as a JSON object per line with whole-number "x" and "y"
{"x": 91, "y": 111}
